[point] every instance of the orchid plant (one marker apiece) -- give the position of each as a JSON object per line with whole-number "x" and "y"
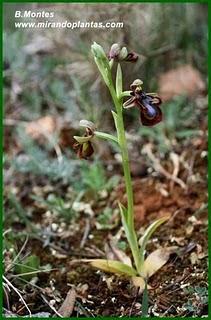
{"x": 150, "y": 113}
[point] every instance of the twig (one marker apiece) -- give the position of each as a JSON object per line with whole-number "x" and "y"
{"x": 157, "y": 166}
{"x": 176, "y": 162}
{"x": 18, "y": 255}
{"x": 32, "y": 272}
{"x": 18, "y": 293}
{"x": 5, "y": 288}
{"x": 86, "y": 233}
{"x": 50, "y": 306}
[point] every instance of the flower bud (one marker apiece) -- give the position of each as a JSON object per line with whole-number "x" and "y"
{"x": 123, "y": 54}
{"x": 98, "y": 51}
{"x": 114, "y": 51}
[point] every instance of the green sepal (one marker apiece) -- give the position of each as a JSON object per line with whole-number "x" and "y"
{"x": 82, "y": 139}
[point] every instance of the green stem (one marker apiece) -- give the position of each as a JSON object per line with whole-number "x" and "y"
{"x": 117, "y": 96}
{"x": 132, "y": 238}
{"x": 125, "y": 158}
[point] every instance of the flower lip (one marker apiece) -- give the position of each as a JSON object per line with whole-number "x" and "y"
{"x": 150, "y": 112}
{"x": 83, "y": 145}
{"x": 84, "y": 150}
{"x": 148, "y": 108}
{"x": 148, "y": 104}
{"x": 132, "y": 57}
{"x": 150, "y": 115}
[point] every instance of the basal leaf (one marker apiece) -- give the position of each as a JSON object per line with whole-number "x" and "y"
{"x": 156, "y": 260}
{"x": 131, "y": 237}
{"x": 112, "y": 266}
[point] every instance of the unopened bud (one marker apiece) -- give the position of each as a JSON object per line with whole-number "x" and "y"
{"x": 123, "y": 54}
{"x": 114, "y": 51}
{"x": 98, "y": 51}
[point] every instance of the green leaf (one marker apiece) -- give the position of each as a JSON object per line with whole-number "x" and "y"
{"x": 130, "y": 234}
{"x": 115, "y": 116}
{"x": 187, "y": 133}
{"x": 106, "y": 136}
{"x": 131, "y": 237}
{"x": 112, "y": 266}
{"x": 148, "y": 233}
{"x": 119, "y": 81}
{"x": 102, "y": 63}
{"x": 27, "y": 269}
{"x": 98, "y": 51}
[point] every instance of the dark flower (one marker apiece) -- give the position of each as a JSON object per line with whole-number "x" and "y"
{"x": 121, "y": 54}
{"x": 148, "y": 104}
{"x": 83, "y": 145}
{"x": 132, "y": 57}
{"x": 83, "y": 150}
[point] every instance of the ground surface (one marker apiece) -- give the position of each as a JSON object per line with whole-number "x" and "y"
{"x": 178, "y": 288}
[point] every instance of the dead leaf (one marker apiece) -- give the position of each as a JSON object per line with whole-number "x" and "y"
{"x": 140, "y": 283}
{"x": 194, "y": 258}
{"x": 108, "y": 281}
{"x": 179, "y": 240}
{"x": 182, "y": 80}
{"x": 189, "y": 230}
{"x": 66, "y": 136}
{"x": 67, "y": 306}
{"x": 43, "y": 127}
{"x": 156, "y": 260}
{"x": 112, "y": 266}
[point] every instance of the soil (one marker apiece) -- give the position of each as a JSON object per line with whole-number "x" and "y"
{"x": 101, "y": 294}
{"x": 179, "y": 288}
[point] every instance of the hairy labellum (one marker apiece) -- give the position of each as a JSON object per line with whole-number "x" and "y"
{"x": 148, "y": 104}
